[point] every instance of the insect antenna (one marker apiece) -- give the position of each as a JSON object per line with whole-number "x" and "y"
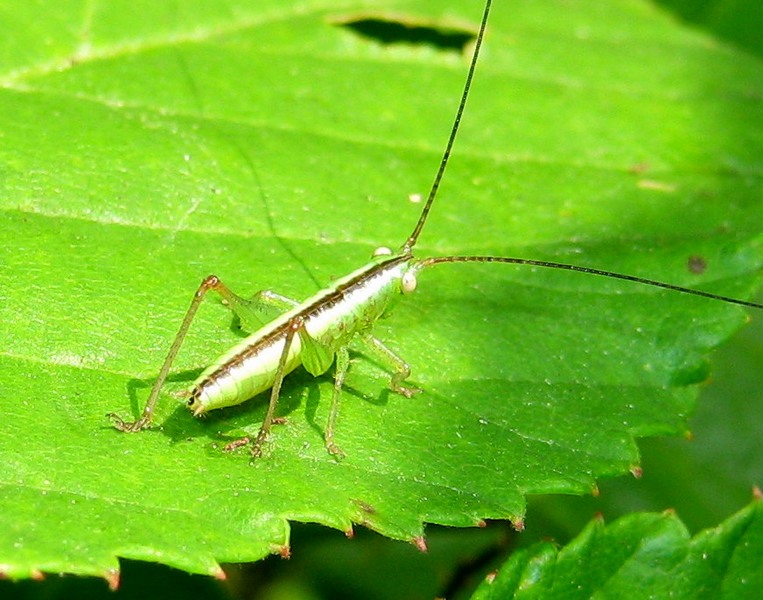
{"x": 411, "y": 241}
{"x": 427, "y": 262}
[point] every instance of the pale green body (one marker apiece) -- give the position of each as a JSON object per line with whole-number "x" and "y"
{"x": 332, "y": 317}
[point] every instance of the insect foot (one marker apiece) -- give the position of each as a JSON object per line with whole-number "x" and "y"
{"x": 335, "y": 450}
{"x": 406, "y": 391}
{"x": 259, "y": 442}
{"x": 129, "y": 426}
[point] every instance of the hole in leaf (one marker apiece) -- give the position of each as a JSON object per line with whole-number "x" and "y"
{"x": 396, "y": 29}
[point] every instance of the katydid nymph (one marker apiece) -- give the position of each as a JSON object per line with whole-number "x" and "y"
{"x": 318, "y": 332}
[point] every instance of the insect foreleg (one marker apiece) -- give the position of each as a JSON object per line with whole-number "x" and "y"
{"x": 402, "y": 369}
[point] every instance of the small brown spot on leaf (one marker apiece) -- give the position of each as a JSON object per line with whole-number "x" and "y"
{"x": 364, "y": 506}
{"x": 639, "y": 168}
{"x": 697, "y": 264}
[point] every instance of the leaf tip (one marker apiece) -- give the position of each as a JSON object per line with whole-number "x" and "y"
{"x": 518, "y": 523}
{"x": 420, "y": 543}
{"x": 637, "y": 471}
{"x": 112, "y": 577}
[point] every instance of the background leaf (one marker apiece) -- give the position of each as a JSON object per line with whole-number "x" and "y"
{"x": 643, "y": 556}
{"x": 147, "y": 145}
{"x": 738, "y": 21}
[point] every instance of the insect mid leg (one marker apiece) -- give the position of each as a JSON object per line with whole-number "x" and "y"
{"x": 211, "y": 282}
{"x": 342, "y": 364}
{"x": 295, "y": 325}
{"x": 402, "y": 369}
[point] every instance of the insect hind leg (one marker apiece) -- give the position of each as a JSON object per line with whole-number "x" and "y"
{"x": 212, "y": 282}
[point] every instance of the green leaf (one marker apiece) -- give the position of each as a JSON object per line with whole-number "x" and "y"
{"x": 145, "y": 145}
{"x": 738, "y": 21}
{"x": 641, "y": 555}
{"x": 703, "y": 477}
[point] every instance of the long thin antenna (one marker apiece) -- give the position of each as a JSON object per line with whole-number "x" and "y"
{"x": 411, "y": 241}
{"x": 554, "y": 265}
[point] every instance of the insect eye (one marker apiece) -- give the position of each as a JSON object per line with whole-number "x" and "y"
{"x": 409, "y": 282}
{"x": 382, "y": 251}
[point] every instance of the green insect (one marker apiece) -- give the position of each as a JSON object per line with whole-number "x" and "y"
{"x": 318, "y": 332}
